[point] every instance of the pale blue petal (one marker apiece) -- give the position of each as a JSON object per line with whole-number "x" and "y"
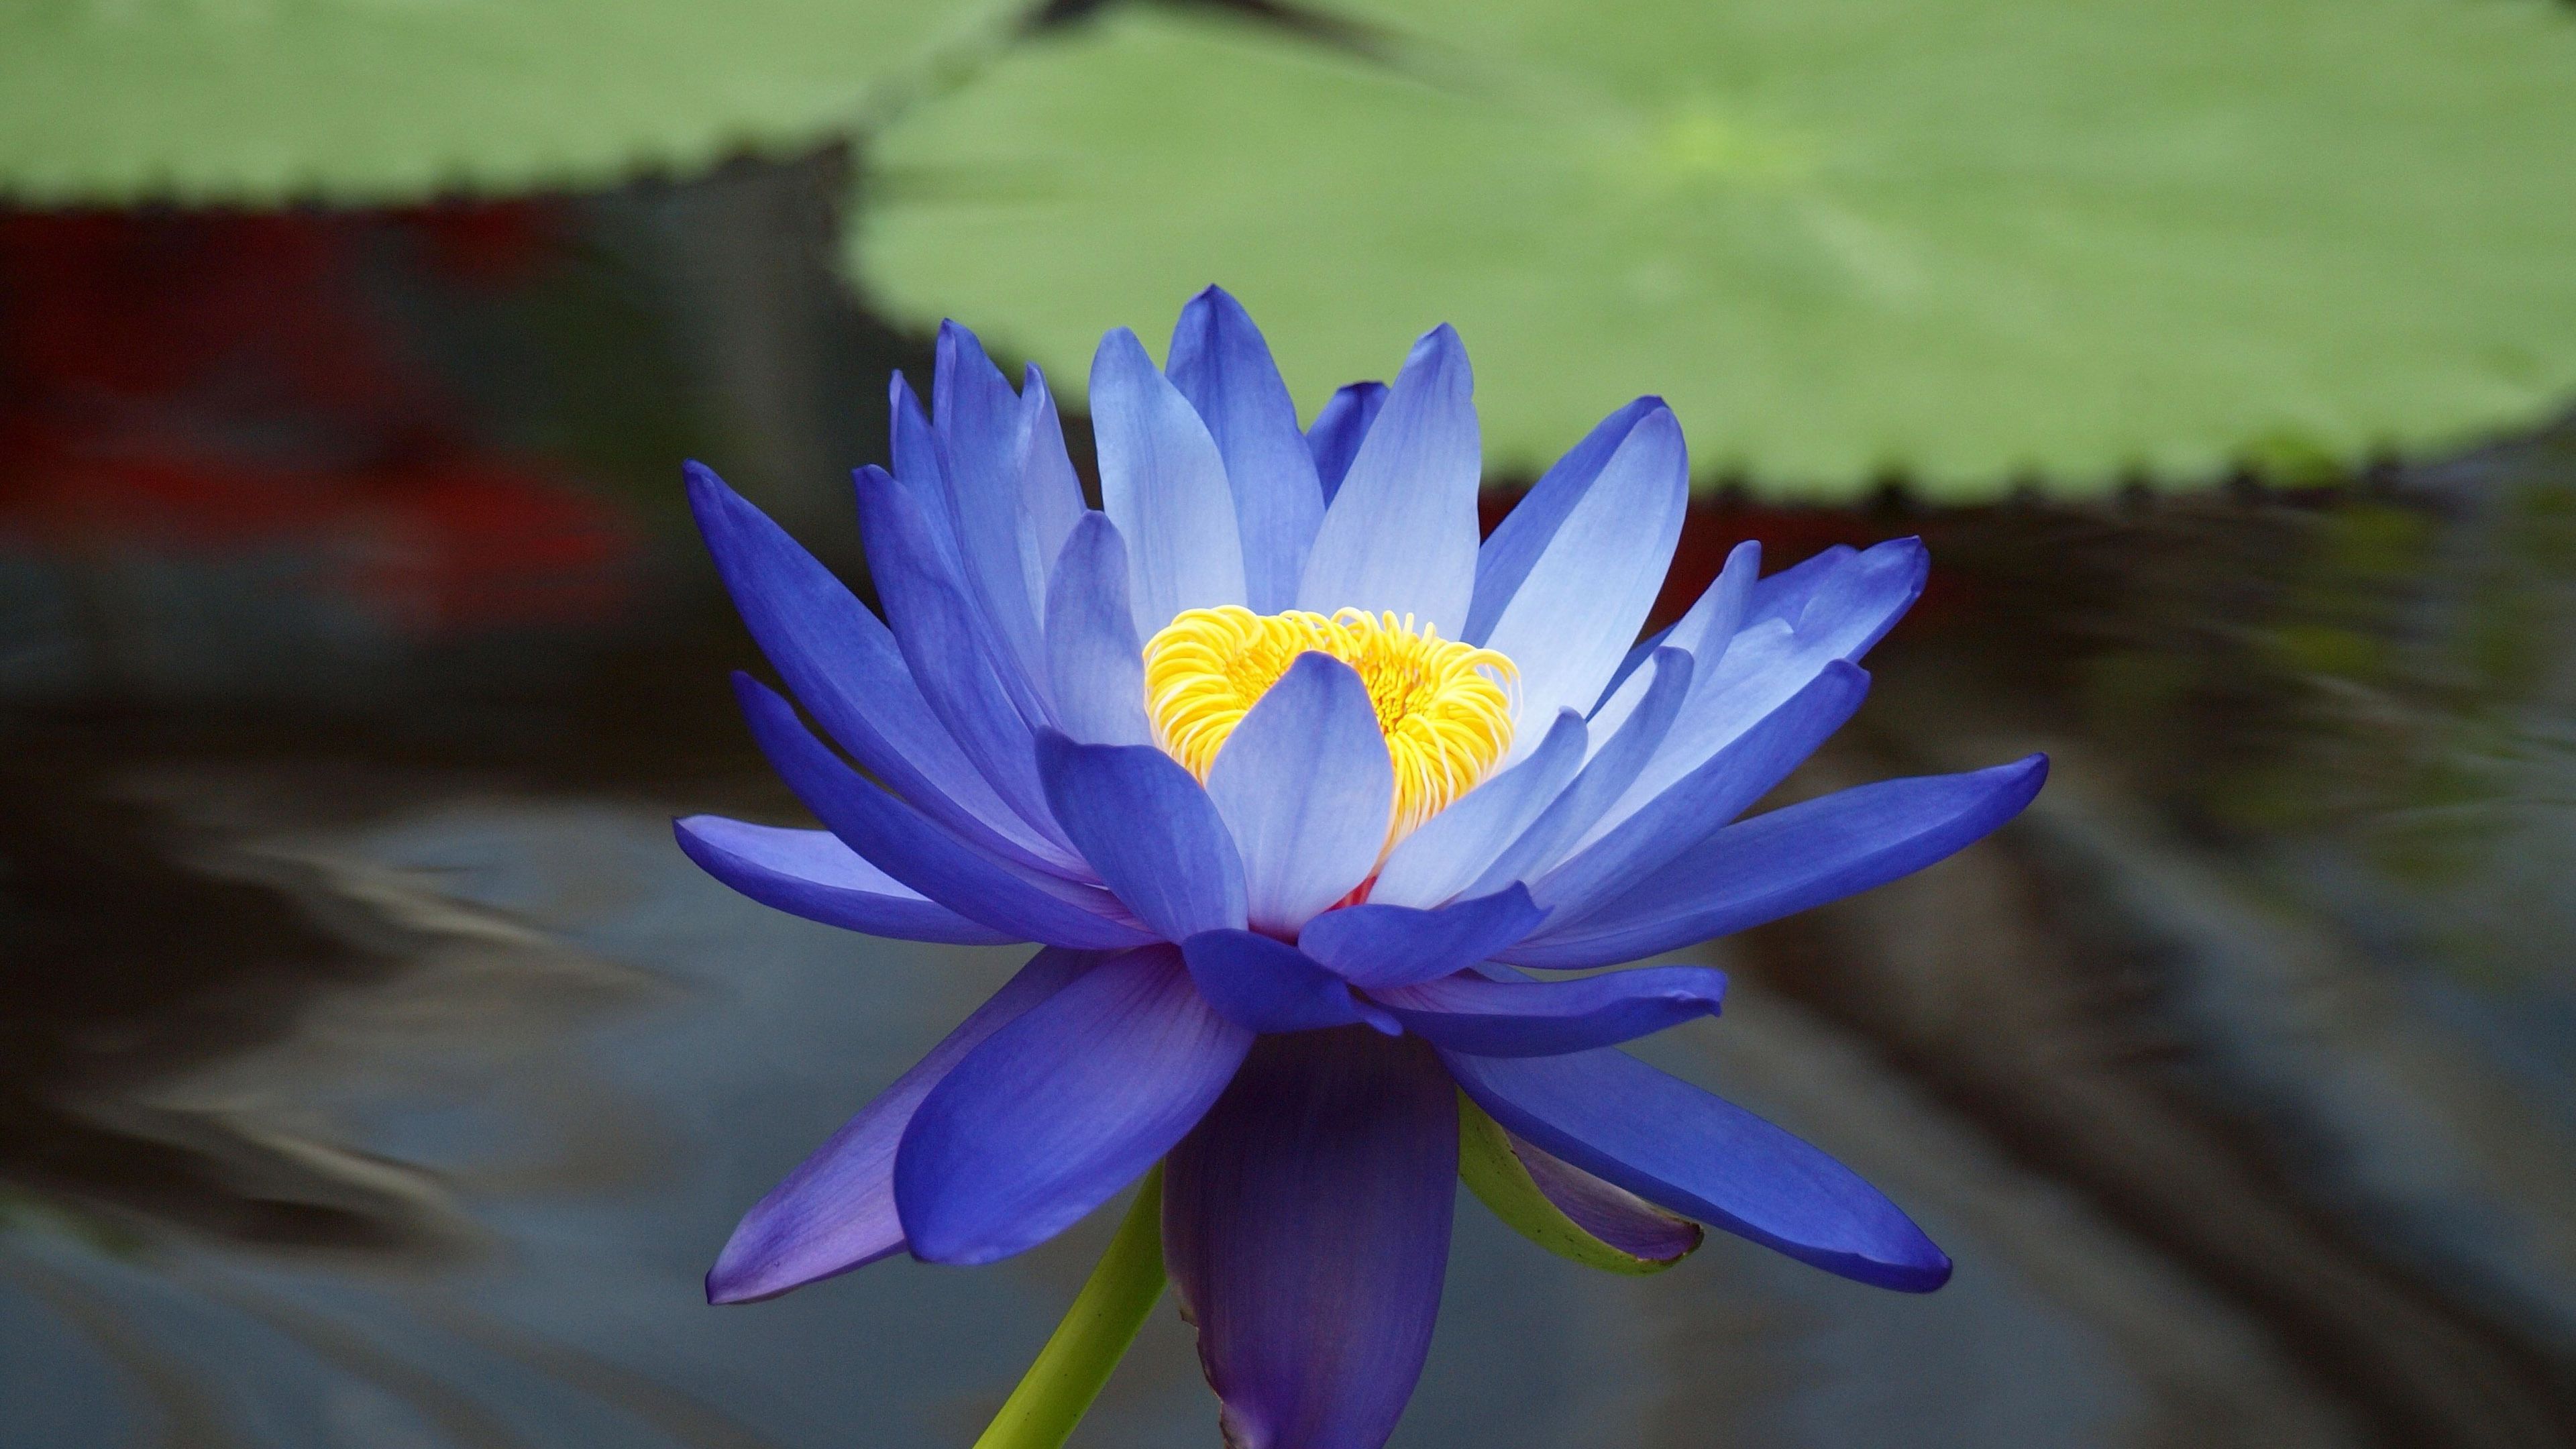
{"x": 1587, "y": 594}
{"x": 1221, "y": 364}
{"x": 1516, "y": 543}
{"x": 810, "y": 873}
{"x": 1164, "y": 486}
{"x": 1093, "y": 658}
{"x": 1400, "y": 536}
{"x": 980, "y": 424}
{"x": 1339, "y": 427}
{"x": 1603, "y": 779}
{"x": 1452, "y": 848}
{"x": 1306, "y": 788}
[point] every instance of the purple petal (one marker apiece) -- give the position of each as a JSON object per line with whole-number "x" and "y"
{"x": 1783, "y": 862}
{"x": 1613, "y": 859}
{"x": 949, "y": 652}
{"x": 840, "y": 660}
{"x": 1586, "y": 596}
{"x": 1401, "y": 534}
{"x": 1221, "y": 364}
{"x": 1264, "y": 985}
{"x": 1525, "y": 533}
{"x": 1094, "y": 662}
{"x": 1371, "y": 945}
{"x": 1164, "y": 486}
{"x": 1306, "y": 1223}
{"x": 1024, "y": 904}
{"x": 1339, "y": 427}
{"x": 836, "y": 1211}
{"x": 1467, "y": 1012}
{"x": 1696, "y": 1154}
{"x": 1149, "y": 830}
{"x": 1056, "y": 1111}
{"x": 810, "y": 873}
{"x": 1453, "y": 848}
{"x": 1306, "y": 788}
{"x": 1606, "y": 1210}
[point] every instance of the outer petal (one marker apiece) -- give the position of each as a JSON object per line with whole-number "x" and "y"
{"x": 1788, "y": 860}
{"x": 1372, "y": 945}
{"x": 1149, "y": 830}
{"x": 1718, "y": 612}
{"x": 1613, "y": 858}
{"x": 1264, "y": 985}
{"x": 1164, "y": 485}
{"x": 1612, "y": 766}
{"x": 1094, "y": 661}
{"x": 1339, "y": 427}
{"x": 1585, "y": 597}
{"x": 918, "y": 465}
{"x": 1050, "y": 491}
{"x": 1453, "y": 847}
{"x": 1220, "y": 363}
{"x": 1468, "y": 1012}
{"x": 1401, "y": 533}
{"x": 810, "y": 873}
{"x": 1675, "y": 1145}
{"x": 980, "y": 423}
{"x": 948, "y": 649}
{"x": 1306, "y": 788}
{"x": 836, "y": 1211}
{"x": 1306, "y": 1223}
{"x": 1025, "y": 904}
{"x": 1059, "y": 1109}
{"x": 1525, "y": 532}
{"x": 1849, "y": 608}
{"x": 843, "y": 664}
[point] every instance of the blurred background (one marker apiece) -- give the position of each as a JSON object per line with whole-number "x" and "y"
{"x": 374, "y": 1071}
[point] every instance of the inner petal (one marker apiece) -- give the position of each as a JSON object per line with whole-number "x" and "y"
{"x": 1444, "y": 708}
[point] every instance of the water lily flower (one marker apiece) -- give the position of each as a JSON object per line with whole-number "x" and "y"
{"x": 1310, "y": 797}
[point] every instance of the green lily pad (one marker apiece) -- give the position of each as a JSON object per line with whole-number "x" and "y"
{"x": 1977, "y": 242}
{"x": 263, "y": 101}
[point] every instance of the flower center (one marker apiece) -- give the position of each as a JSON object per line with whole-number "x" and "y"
{"x": 1444, "y": 707}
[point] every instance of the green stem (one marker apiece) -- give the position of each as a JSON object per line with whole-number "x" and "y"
{"x": 1059, "y": 1387}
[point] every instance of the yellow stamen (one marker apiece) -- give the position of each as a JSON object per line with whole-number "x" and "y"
{"x": 1444, "y": 707}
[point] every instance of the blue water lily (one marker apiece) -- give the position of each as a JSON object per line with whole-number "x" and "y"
{"x": 1307, "y": 793}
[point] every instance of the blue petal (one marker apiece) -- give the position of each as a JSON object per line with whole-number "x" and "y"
{"x": 1264, "y": 985}
{"x": 917, "y": 463}
{"x": 1784, "y": 595}
{"x": 1453, "y": 847}
{"x": 1514, "y": 548}
{"x": 950, "y": 656}
{"x": 810, "y": 873}
{"x": 979, "y": 423}
{"x": 839, "y": 659}
{"x": 836, "y": 1211}
{"x": 1221, "y": 364}
{"x": 1094, "y": 661}
{"x": 1371, "y": 945}
{"x": 1783, "y": 862}
{"x": 1606, "y": 1210}
{"x": 1024, "y": 904}
{"x": 1050, "y": 491}
{"x": 1587, "y": 594}
{"x": 1164, "y": 486}
{"x": 1306, "y": 1223}
{"x": 1848, "y": 608}
{"x": 1306, "y": 788}
{"x": 1339, "y": 427}
{"x": 1059, "y": 1109}
{"x": 1718, "y": 612}
{"x": 1400, "y": 536}
{"x": 1467, "y": 1012}
{"x": 1149, "y": 830}
{"x": 1607, "y": 775}
{"x": 1677, "y": 1146}
{"x": 1614, "y": 858}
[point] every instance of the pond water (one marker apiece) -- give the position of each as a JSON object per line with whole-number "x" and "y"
{"x": 375, "y": 1072}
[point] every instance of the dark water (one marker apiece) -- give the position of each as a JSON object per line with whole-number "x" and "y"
{"x": 374, "y": 1072}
